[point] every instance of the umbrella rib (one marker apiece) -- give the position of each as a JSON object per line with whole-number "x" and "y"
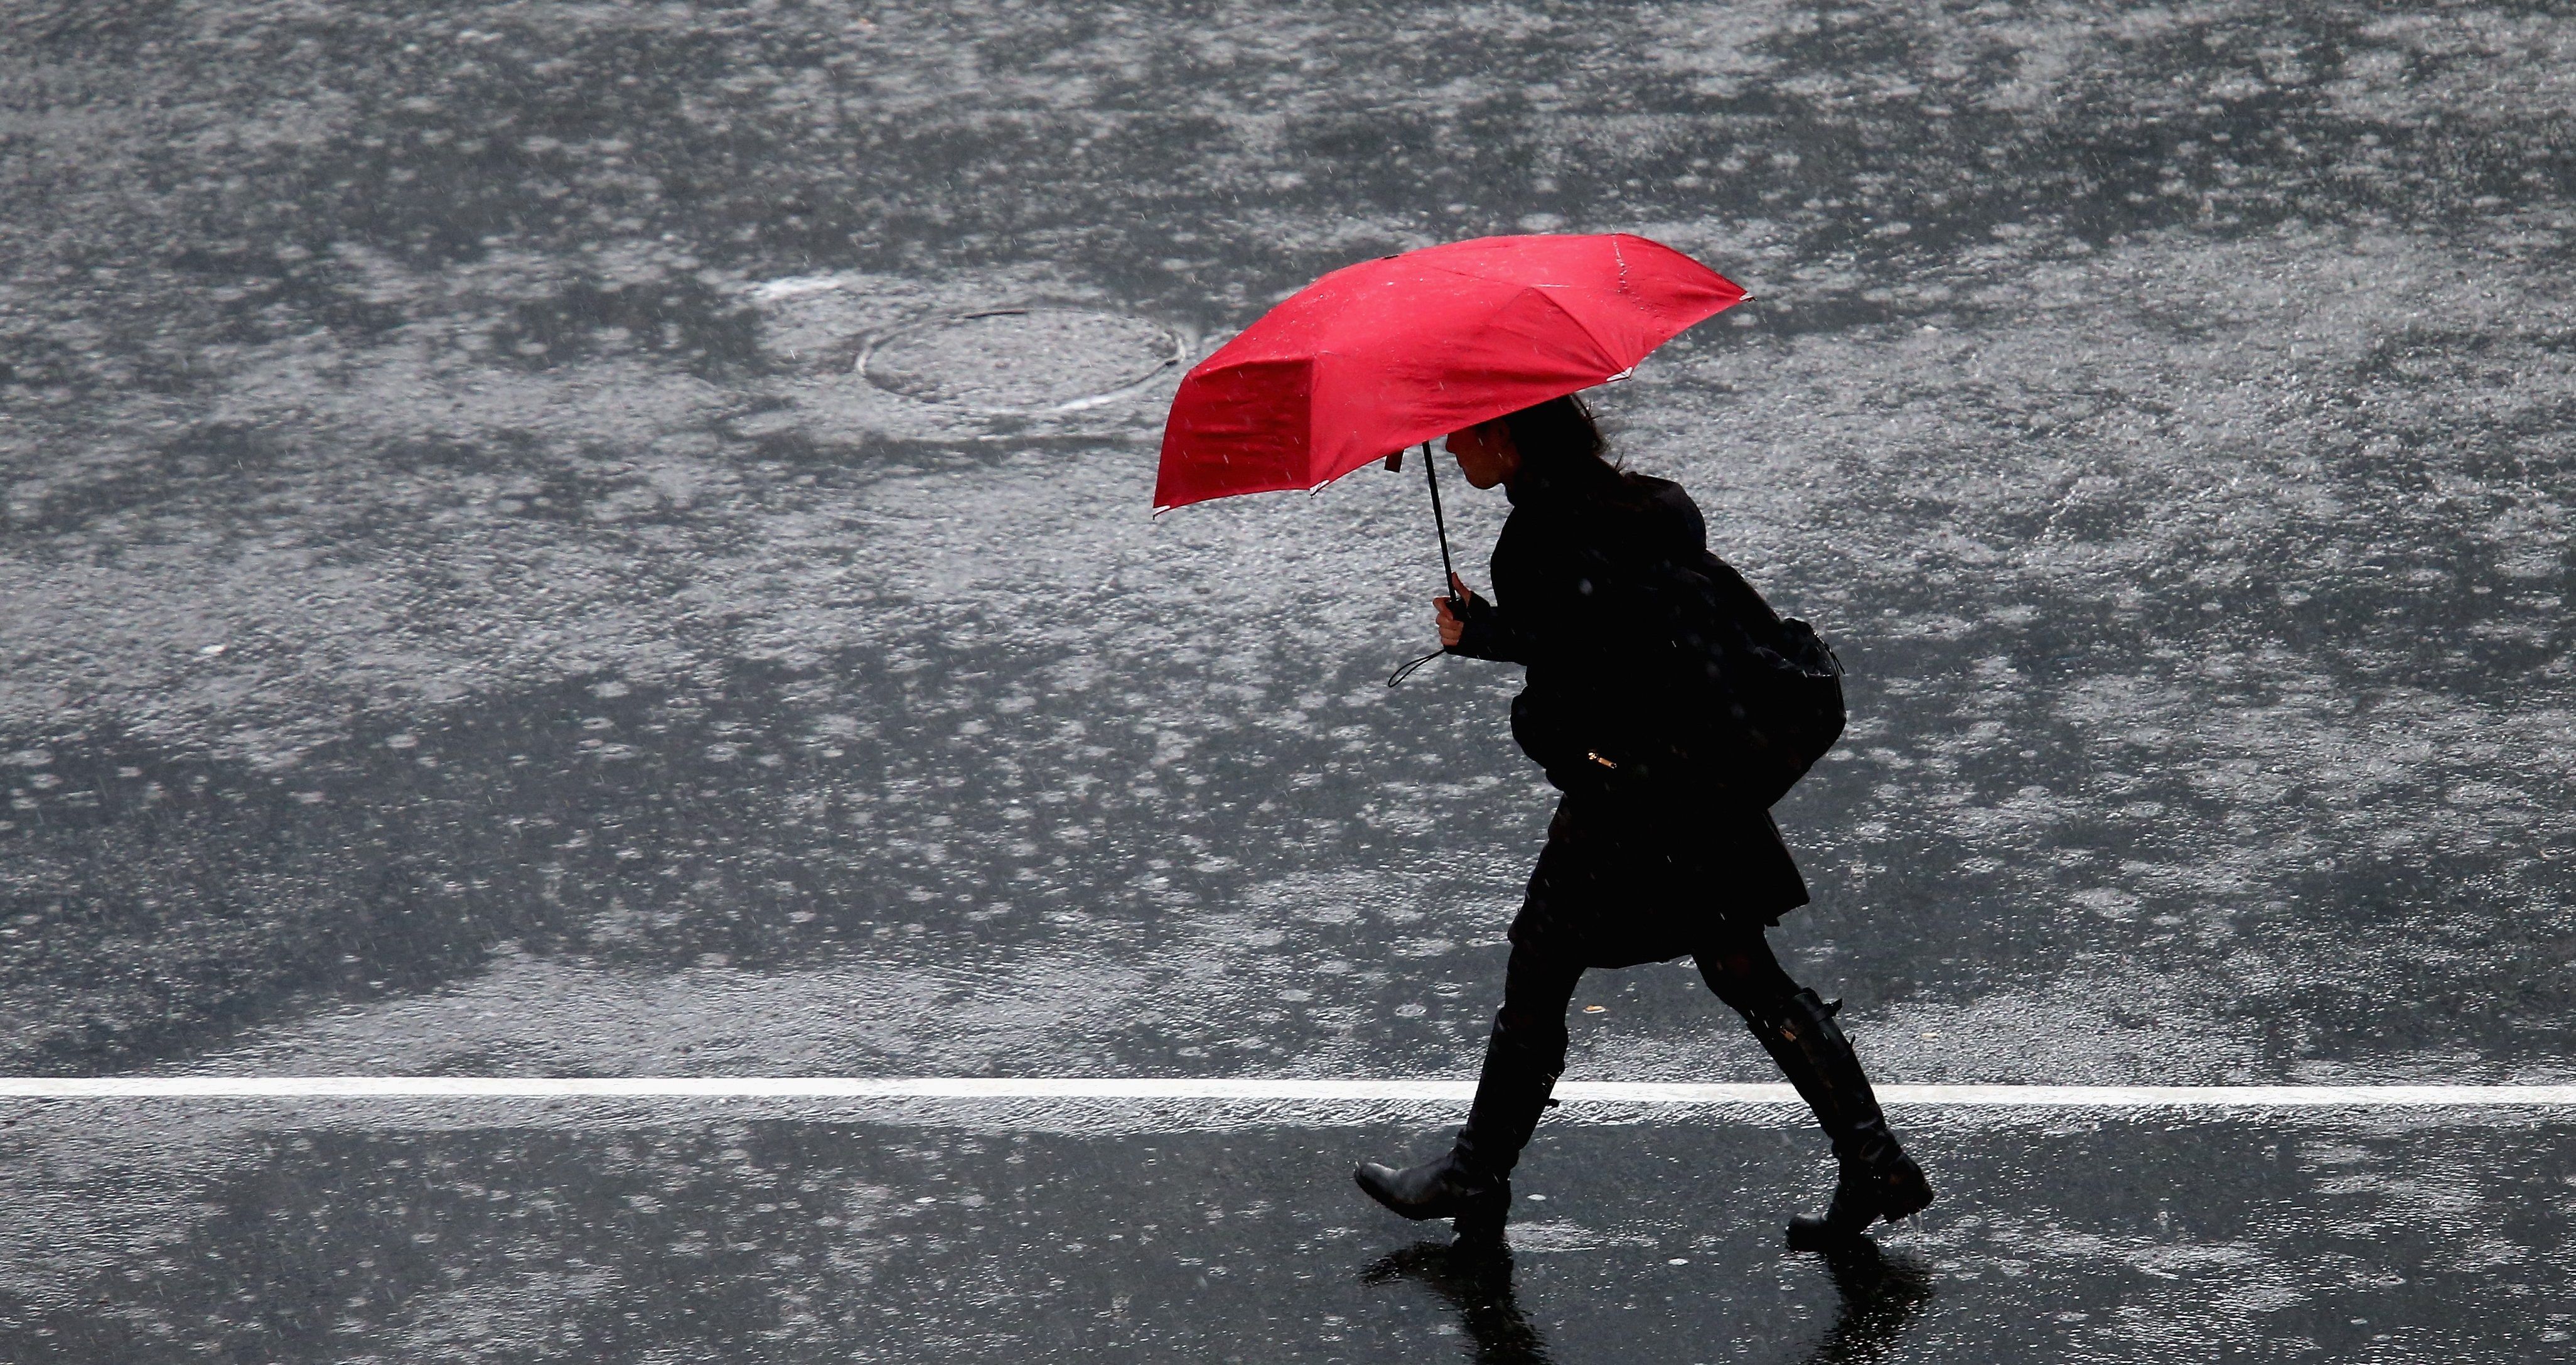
{"x": 1535, "y": 291}
{"x": 1314, "y": 387}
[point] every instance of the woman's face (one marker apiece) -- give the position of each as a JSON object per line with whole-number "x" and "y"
{"x": 1485, "y": 453}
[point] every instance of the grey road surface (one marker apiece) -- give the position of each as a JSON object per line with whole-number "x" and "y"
{"x": 612, "y": 539}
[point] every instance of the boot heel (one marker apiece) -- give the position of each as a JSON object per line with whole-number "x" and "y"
{"x": 1481, "y": 1222}
{"x": 1903, "y": 1191}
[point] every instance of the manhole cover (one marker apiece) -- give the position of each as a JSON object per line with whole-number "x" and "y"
{"x": 1021, "y": 359}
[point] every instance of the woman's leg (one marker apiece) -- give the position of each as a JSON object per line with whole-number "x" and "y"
{"x": 1524, "y": 1054}
{"x": 1797, "y": 1028}
{"x": 1745, "y": 973}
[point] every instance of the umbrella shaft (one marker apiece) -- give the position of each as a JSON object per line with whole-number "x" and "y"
{"x": 1431, "y": 471}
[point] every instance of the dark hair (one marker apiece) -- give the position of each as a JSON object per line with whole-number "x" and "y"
{"x": 1562, "y": 449}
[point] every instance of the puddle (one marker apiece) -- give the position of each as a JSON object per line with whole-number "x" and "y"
{"x": 1022, "y": 360}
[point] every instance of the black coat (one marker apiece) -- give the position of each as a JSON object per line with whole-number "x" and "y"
{"x": 1648, "y": 857}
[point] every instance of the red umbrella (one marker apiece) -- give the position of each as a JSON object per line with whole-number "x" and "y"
{"x": 1379, "y": 356}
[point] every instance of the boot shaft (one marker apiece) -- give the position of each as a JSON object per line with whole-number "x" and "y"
{"x": 1511, "y": 1093}
{"x": 1818, "y": 1060}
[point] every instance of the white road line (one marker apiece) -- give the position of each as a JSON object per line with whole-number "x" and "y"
{"x": 1113, "y": 1089}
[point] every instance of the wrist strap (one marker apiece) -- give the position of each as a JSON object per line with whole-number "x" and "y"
{"x": 1407, "y": 670}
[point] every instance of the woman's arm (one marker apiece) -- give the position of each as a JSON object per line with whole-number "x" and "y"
{"x": 1484, "y": 632}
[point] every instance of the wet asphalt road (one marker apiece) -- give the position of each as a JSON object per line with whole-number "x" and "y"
{"x": 732, "y": 1233}
{"x": 527, "y": 548}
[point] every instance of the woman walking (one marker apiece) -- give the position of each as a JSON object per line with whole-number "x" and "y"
{"x": 1648, "y": 857}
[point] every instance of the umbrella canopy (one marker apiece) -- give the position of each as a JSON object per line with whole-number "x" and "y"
{"x": 1379, "y": 356}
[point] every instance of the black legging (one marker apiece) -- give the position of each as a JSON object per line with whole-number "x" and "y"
{"x": 1538, "y": 985}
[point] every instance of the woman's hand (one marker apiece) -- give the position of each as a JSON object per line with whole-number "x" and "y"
{"x": 1453, "y": 627}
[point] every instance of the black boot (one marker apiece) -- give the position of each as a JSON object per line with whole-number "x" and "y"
{"x": 1877, "y": 1179}
{"x": 1471, "y": 1183}
{"x": 1447, "y": 1186}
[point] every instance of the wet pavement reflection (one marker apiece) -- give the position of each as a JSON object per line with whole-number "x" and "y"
{"x": 1877, "y": 1293}
{"x": 1475, "y": 1281}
